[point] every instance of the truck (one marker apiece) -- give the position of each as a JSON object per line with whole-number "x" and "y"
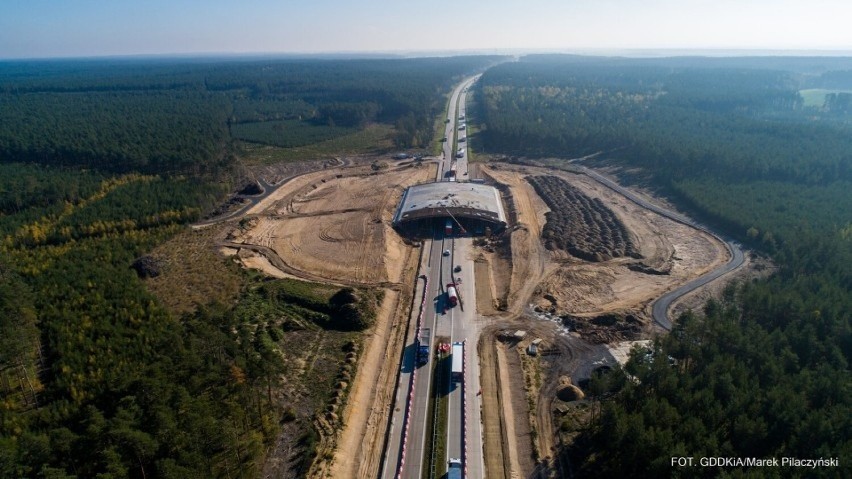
{"x": 454, "y": 469}
{"x": 452, "y": 295}
{"x": 458, "y": 362}
{"x": 448, "y": 227}
{"x": 424, "y": 344}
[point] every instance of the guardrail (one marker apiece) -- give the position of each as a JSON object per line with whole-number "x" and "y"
{"x": 406, "y": 422}
{"x": 464, "y": 409}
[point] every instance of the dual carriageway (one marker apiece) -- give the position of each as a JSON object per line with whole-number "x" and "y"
{"x": 407, "y": 436}
{"x": 407, "y": 440}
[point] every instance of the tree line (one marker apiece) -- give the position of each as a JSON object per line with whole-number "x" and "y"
{"x": 158, "y": 116}
{"x": 764, "y": 372}
{"x": 100, "y": 161}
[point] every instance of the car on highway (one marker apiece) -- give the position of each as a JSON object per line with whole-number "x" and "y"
{"x": 446, "y": 252}
{"x": 457, "y": 268}
{"x": 444, "y": 139}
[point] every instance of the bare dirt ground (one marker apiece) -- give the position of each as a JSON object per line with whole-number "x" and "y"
{"x": 511, "y": 449}
{"x": 485, "y": 293}
{"x": 332, "y": 225}
{"x": 530, "y": 261}
{"x": 360, "y": 444}
{"x": 495, "y": 435}
{"x": 252, "y": 260}
{"x": 558, "y": 283}
{"x": 570, "y": 286}
{"x": 513, "y": 400}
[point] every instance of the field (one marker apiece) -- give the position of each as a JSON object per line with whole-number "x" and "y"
{"x": 815, "y": 97}
{"x": 374, "y": 138}
{"x": 287, "y": 133}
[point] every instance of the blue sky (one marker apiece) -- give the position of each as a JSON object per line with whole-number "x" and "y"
{"x": 62, "y": 28}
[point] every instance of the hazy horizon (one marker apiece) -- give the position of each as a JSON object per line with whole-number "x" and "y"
{"x": 88, "y": 28}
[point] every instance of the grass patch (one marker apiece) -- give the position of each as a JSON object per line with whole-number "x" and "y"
{"x": 375, "y": 138}
{"x": 313, "y": 292}
{"x": 193, "y": 274}
{"x": 439, "y": 399}
{"x": 440, "y": 124}
{"x": 287, "y": 133}
{"x": 472, "y": 129}
{"x": 815, "y": 97}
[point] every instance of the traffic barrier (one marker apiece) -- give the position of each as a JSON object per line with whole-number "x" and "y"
{"x": 406, "y": 423}
{"x": 464, "y": 408}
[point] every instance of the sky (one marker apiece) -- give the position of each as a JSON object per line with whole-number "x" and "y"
{"x": 75, "y": 28}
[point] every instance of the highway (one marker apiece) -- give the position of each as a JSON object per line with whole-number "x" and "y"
{"x": 661, "y": 306}
{"x": 456, "y": 323}
{"x": 464, "y": 326}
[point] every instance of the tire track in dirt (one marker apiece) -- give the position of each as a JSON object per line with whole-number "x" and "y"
{"x": 530, "y": 260}
{"x": 363, "y": 260}
{"x": 515, "y": 432}
{"x": 284, "y": 267}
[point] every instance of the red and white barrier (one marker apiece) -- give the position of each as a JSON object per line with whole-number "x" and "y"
{"x": 464, "y": 408}
{"x": 406, "y": 423}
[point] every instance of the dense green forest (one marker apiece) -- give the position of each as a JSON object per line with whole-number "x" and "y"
{"x": 172, "y": 116}
{"x": 765, "y": 371}
{"x": 101, "y": 161}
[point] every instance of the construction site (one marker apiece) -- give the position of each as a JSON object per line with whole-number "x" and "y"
{"x": 567, "y": 261}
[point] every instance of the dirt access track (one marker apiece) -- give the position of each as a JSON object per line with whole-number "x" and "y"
{"x": 332, "y": 226}
{"x": 562, "y": 284}
{"x": 659, "y": 255}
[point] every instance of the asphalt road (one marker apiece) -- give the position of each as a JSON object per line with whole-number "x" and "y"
{"x": 464, "y": 432}
{"x": 661, "y": 306}
{"x": 442, "y": 321}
